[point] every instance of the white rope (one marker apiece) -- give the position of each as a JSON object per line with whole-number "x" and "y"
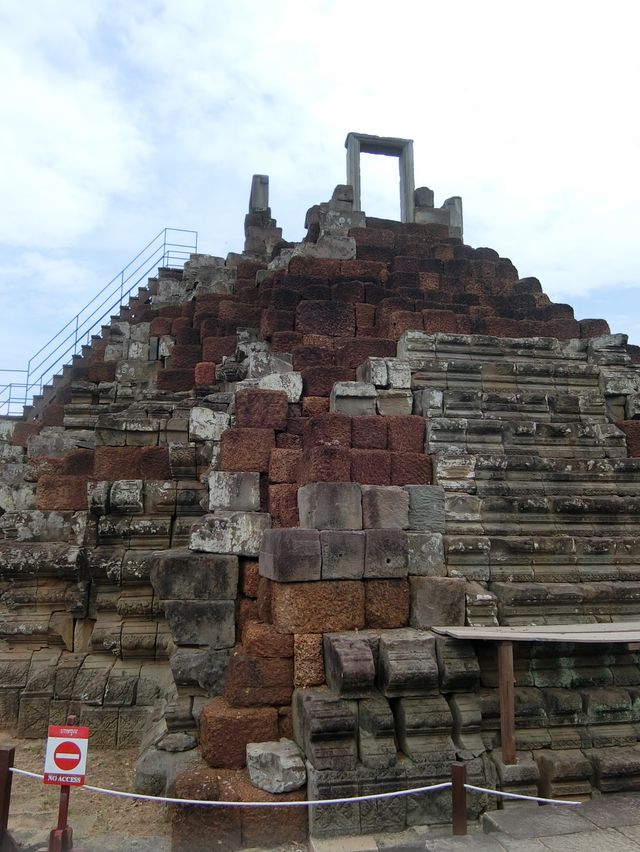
{"x": 520, "y": 796}
{"x": 306, "y": 803}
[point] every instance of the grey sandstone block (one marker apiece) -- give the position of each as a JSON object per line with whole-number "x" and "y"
{"x": 182, "y": 574}
{"x": 230, "y": 532}
{"x": 342, "y": 554}
{"x": 407, "y": 663}
{"x": 202, "y": 623}
{"x": 376, "y": 732}
{"x": 436, "y": 601}
{"x": 325, "y": 728}
{"x": 231, "y": 490}
{"x": 387, "y": 554}
{"x": 426, "y": 507}
{"x": 126, "y": 497}
{"x": 330, "y": 506}
{"x": 353, "y": 398}
{"x": 207, "y": 425}
{"x": 349, "y": 665}
{"x": 201, "y": 667}
{"x": 277, "y": 767}
{"x": 290, "y": 555}
{"x": 426, "y": 554}
{"x": 385, "y": 507}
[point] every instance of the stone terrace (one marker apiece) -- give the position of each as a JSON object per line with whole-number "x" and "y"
{"x": 238, "y": 515}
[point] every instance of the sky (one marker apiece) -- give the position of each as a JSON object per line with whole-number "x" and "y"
{"x": 122, "y": 117}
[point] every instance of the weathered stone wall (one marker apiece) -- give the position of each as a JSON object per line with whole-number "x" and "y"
{"x": 239, "y": 514}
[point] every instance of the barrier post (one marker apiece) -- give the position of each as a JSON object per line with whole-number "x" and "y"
{"x": 459, "y": 798}
{"x": 7, "y": 843}
{"x": 61, "y": 837}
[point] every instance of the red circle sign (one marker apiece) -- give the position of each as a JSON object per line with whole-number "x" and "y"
{"x": 67, "y": 756}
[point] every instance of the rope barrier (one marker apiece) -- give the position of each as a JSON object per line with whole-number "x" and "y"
{"x": 168, "y": 800}
{"x": 506, "y": 795}
{"x": 210, "y": 803}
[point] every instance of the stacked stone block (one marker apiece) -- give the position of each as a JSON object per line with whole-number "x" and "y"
{"x": 269, "y": 477}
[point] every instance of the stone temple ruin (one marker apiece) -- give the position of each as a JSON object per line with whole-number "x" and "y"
{"x": 237, "y": 516}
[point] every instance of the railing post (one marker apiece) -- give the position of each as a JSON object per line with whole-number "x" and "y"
{"x": 7, "y": 843}
{"x": 459, "y": 798}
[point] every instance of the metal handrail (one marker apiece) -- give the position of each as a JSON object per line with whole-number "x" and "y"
{"x": 163, "y": 250}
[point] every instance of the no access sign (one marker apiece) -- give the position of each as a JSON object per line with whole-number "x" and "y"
{"x": 66, "y": 756}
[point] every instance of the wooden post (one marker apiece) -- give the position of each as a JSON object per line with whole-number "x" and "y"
{"x": 459, "y": 798}
{"x": 7, "y": 843}
{"x": 506, "y": 681}
{"x": 61, "y": 837}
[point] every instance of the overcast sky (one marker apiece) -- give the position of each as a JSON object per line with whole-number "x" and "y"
{"x": 121, "y": 117}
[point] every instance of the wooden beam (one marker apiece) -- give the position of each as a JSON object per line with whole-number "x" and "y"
{"x": 506, "y": 682}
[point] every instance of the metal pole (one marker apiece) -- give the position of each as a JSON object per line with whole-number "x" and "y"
{"x": 7, "y": 843}
{"x": 459, "y": 798}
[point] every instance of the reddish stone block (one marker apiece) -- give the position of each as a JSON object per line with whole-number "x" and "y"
{"x": 410, "y": 469}
{"x": 246, "y": 449}
{"x": 105, "y": 372}
{"x": 377, "y": 237}
{"x": 319, "y": 266}
{"x": 41, "y": 466}
{"x": 387, "y": 603}
{"x": 258, "y": 681}
{"x": 369, "y": 432}
{"x": 273, "y": 321}
{"x": 159, "y": 326}
{"x": 154, "y": 463}
{"x": 239, "y": 314}
{"x": 317, "y": 607}
{"x": 177, "y": 380}
{"x": 438, "y": 320}
{"x": 331, "y": 318}
{"x": 321, "y": 341}
{"x": 77, "y": 463}
{"x": 247, "y": 611}
{"x": 364, "y": 270}
{"x": 265, "y": 409}
{"x": 187, "y": 336}
{"x": 169, "y": 311}
{"x": 113, "y": 463}
{"x": 401, "y": 321}
{"x": 593, "y": 327}
{"x": 205, "y": 374}
{"x": 53, "y": 415}
{"x": 331, "y": 430}
{"x": 262, "y": 640}
{"x": 193, "y": 827}
{"x": 371, "y": 467}
{"x": 308, "y": 660}
{"x": 348, "y": 291}
{"x": 180, "y": 324}
{"x": 631, "y": 429}
{"x": 62, "y": 493}
{"x": 285, "y": 341}
{"x": 285, "y": 722}
{"x": 288, "y": 441}
{"x": 312, "y": 406}
{"x": 249, "y": 576}
{"x": 405, "y": 434}
{"x": 185, "y": 356}
{"x": 313, "y": 356}
{"x": 270, "y": 828}
{"x": 356, "y": 352}
{"x": 283, "y": 505}
{"x": 248, "y": 268}
{"x": 283, "y": 465}
{"x": 318, "y": 381}
{"x": 563, "y": 329}
{"x": 264, "y": 599}
{"x": 365, "y": 317}
{"x": 225, "y": 731}
{"x": 325, "y": 464}
{"x": 214, "y": 349}
{"x": 22, "y": 432}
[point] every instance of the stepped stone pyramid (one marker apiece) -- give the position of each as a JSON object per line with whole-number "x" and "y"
{"x": 238, "y": 515}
